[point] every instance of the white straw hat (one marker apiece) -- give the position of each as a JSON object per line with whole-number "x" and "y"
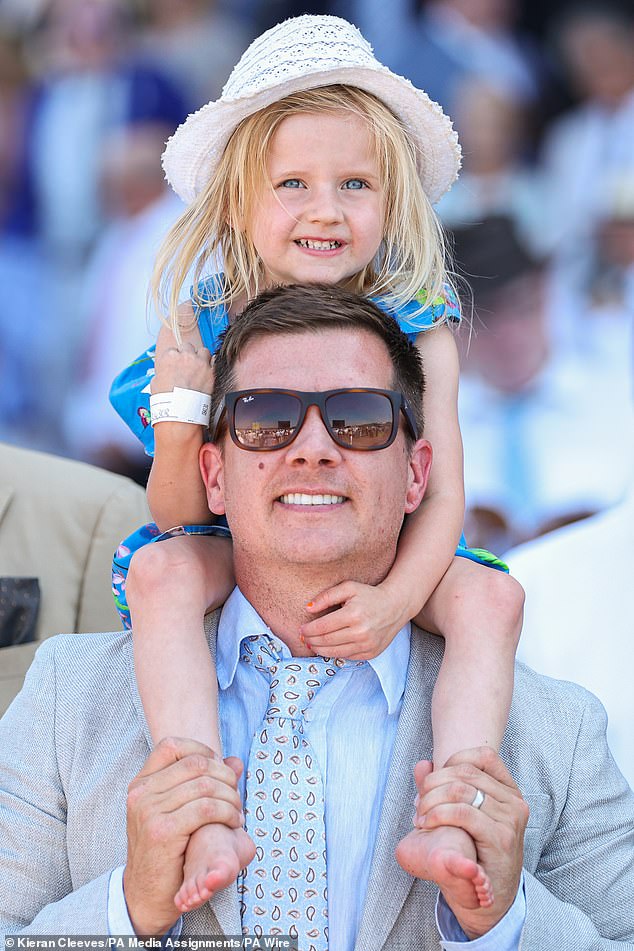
{"x": 303, "y": 53}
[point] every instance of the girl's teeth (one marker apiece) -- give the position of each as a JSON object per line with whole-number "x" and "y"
{"x": 300, "y": 499}
{"x": 319, "y": 245}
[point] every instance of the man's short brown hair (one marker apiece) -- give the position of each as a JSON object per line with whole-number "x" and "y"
{"x": 310, "y": 308}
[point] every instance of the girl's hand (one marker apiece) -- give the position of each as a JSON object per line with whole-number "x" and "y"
{"x": 366, "y": 621}
{"x": 187, "y": 366}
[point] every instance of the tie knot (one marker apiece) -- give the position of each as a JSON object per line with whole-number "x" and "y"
{"x": 293, "y": 681}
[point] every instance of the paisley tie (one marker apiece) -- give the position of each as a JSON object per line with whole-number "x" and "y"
{"x": 284, "y": 891}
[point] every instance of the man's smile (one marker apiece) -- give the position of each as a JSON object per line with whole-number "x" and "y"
{"x": 304, "y": 498}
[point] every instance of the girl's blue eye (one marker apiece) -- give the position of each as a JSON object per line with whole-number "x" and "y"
{"x": 355, "y": 184}
{"x": 291, "y": 183}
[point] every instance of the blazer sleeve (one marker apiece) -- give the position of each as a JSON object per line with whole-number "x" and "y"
{"x": 581, "y": 897}
{"x": 38, "y": 894}
{"x": 123, "y": 510}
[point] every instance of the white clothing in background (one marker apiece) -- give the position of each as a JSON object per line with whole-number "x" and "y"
{"x": 115, "y": 305}
{"x": 587, "y": 152}
{"x": 574, "y": 437}
{"x": 579, "y": 617}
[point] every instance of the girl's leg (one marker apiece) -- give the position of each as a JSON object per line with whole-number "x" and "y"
{"x": 479, "y": 611}
{"x": 170, "y": 586}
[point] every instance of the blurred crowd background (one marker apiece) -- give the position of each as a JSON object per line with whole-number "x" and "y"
{"x": 541, "y": 222}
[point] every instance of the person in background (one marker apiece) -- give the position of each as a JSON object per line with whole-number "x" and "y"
{"x": 21, "y": 260}
{"x": 579, "y": 621}
{"x": 196, "y": 41}
{"x": 592, "y": 145}
{"x": 496, "y": 178}
{"x": 141, "y": 209}
{"x": 59, "y": 520}
{"x": 447, "y": 43}
{"x": 593, "y": 317}
{"x": 526, "y": 412}
{"x": 89, "y": 81}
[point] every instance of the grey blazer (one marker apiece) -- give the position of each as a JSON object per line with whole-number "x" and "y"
{"x": 60, "y": 521}
{"x": 76, "y": 736}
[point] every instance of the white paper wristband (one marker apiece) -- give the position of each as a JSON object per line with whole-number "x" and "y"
{"x": 180, "y": 406}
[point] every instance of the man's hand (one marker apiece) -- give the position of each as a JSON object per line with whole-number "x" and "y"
{"x": 181, "y": 788}
{"x": 445, "y": 798}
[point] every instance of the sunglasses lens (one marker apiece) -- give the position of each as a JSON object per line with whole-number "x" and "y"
{"x": 266, "y": 420}
{"x": 360, "y": 420}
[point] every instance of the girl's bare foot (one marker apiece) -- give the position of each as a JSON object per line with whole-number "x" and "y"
{"x": 214, "y": 856}
{"x": 447, "y": 856}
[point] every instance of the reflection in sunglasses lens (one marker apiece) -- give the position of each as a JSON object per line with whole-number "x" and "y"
{"x": 266, "y": 420}
{"x": 360, "y": 420}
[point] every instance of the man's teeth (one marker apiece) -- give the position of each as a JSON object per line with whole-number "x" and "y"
{"x": 297, "y": 498}
{"x": 318, "y": 245}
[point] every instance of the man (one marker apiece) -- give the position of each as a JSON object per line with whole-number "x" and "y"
{"x": 77, "y": 738}
{"x": 60, "y": 521}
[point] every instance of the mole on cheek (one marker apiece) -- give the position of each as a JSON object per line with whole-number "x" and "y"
{"x": 260, "y": 465}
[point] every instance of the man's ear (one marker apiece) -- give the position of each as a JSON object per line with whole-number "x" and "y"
{"x": 419, "y": 467}
{"x": 212, "y": 471}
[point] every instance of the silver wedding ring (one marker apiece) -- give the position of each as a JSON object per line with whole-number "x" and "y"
{"x": 478, "y": 799}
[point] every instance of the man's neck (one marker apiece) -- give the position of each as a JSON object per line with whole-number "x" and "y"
{"x": 281, "y": 598}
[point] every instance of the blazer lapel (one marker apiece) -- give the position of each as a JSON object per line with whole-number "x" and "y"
{"x": 388, "y": 884}
{"x": 6, "y": 494}
{"x": 221, "y": 915}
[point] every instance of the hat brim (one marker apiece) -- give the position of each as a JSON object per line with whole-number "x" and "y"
{"x": 193, "y": 152}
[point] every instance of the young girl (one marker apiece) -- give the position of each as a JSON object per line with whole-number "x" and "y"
{"x": 317, "y": 164}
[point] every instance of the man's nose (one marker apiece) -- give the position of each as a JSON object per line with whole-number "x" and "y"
{"x": 313, "y": 445}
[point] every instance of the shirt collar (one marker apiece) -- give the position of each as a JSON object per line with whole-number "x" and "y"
{"x": 239, "y": 619}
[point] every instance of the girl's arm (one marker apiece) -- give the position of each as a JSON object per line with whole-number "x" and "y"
{"x": 175, "y": 491}
{"x": 170, "y": 586}
{"x": 430, "y": 535}
{"x": 371, "y": 616}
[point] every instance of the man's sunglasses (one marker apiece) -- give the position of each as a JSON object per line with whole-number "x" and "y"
{"x": 365, "y": 419}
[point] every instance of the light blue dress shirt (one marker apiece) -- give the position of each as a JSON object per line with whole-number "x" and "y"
{"x": 351, "y": 724}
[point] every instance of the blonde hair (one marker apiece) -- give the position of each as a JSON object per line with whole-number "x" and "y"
{"x": 410, "y": 260}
